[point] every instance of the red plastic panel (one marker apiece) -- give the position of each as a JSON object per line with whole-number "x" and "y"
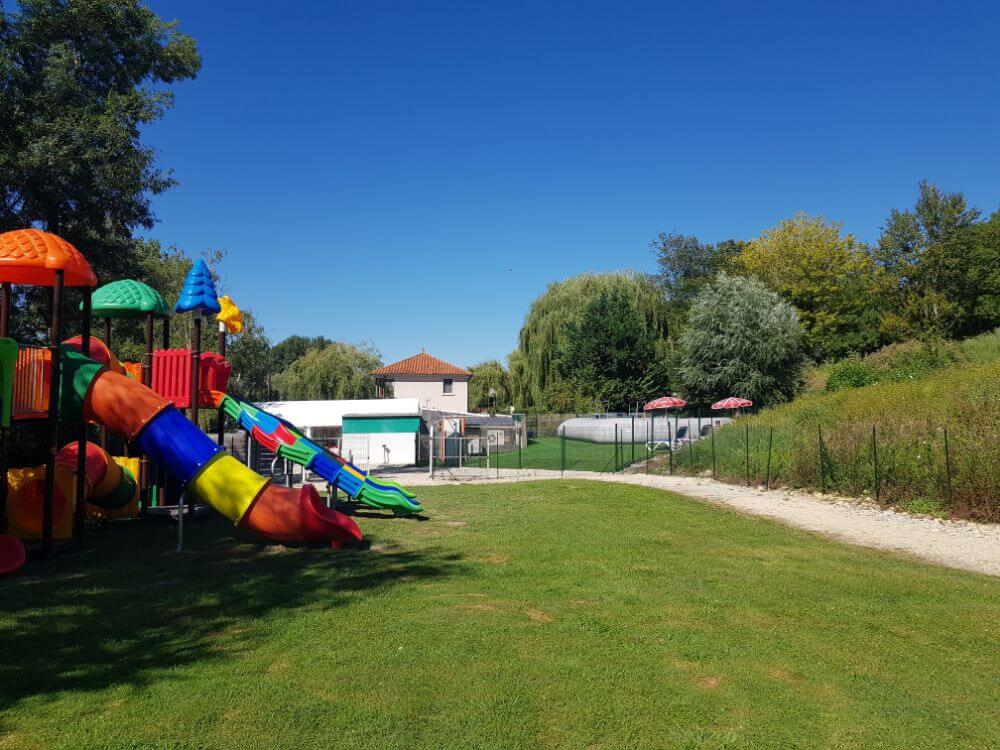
{"x": 214, "y": 376}
{"x": 281, "y": 433}
{"x": 172, "y": 376}
{"x": 268, "y": 441}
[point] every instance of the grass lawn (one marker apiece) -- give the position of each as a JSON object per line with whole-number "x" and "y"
{"x": 543, "y": 615}
{"x": 546, "y": 453}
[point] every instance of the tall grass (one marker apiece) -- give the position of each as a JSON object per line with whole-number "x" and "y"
{"x": 830, "y": 442}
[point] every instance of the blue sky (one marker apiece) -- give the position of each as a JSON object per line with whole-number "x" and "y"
{"x": 415, "y": 174}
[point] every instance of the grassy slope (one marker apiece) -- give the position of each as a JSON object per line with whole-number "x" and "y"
{"x": 910, "y": 419}
{"x": 543, "y": 615}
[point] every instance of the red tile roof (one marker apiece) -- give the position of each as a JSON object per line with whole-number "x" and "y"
{"x": 421, "y": 364}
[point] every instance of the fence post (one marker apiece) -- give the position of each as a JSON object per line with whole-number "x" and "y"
{"x": 713, "y": 450}
{"x": 616, "y": 447}
{"x": 875, "y": 465}
{"x": 647, "y": 447}
{"x": 430, "y": 453}
{"x": 520, "y": 437}
{"x": 671, "y": 452}
{"x": 947, "y": 469}
{"x": 767, "y": 472}
{"x": 822, "y": 473}
{"x": 748, "y": 452}
{"x": 562, "y": 454}
{"x": 632, "y": 438}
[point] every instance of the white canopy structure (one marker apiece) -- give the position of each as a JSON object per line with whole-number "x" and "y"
{"x": 308, "y": 414}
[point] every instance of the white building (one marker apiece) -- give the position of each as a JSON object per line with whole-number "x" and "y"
{"x": 437, "y": 385}
{"x": 370, "y": 433}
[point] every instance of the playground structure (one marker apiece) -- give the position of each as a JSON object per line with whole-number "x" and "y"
{"x": 79, "y": 382}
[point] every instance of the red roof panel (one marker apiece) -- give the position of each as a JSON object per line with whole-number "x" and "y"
{"x": 421, "y": 364}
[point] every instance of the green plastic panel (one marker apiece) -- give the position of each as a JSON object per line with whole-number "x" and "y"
{"x": 77, "y": 373}
{"x": 8, "y": 369}
{"x": 362, "y": 425}
{"x": 128, "y": 299}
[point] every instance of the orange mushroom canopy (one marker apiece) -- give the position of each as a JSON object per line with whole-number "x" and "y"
{"x": 31, "y": 256}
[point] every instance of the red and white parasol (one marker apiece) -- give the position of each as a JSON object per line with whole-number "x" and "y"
{"x": 732, "y": 403}
{"x": 665, "y": 402}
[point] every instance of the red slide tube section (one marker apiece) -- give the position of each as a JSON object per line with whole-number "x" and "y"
{"x": 289, "y": 515}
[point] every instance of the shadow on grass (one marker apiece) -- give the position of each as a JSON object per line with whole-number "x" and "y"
{"x": 358, "y": 510}
{"x": 128, "y": 607}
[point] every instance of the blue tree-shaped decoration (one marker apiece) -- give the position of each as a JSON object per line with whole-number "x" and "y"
{"x": 198, "y": 296}
{"x": 198, "y": 292}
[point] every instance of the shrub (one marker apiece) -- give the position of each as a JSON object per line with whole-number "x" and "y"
{"x": 912, "y": 360}
{"x": 850, "y": 373}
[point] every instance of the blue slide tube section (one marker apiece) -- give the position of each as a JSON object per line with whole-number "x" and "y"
{"x": 172, "y": 441}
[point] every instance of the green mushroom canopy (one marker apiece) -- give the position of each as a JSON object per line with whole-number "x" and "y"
{"x": 128, "y": 298}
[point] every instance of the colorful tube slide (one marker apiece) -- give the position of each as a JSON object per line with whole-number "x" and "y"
{"x": 287, "y": 442}
{"x": 159, "y": 430}
{"x": 109, "y": 487}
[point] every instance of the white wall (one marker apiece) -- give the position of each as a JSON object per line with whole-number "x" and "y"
{"x": 429, "y": 392}
{"x": 376, "y": 449}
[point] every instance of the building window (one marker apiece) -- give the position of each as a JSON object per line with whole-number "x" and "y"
{"x": 448, "y": 386}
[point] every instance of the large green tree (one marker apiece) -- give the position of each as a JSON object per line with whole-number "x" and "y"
{"x": 532, "y": 365}
{"x": 685, "y": 265}
{"x": 292, "y": 348}
{"x": 337, "y": 371}
{"x": 250, "y": 355}
{"x": 942, "y": 262}
{"x": 608, "y": 351}
{"x": 829, "y": 277}
{"x": 742, "y": 339}
{"x": 78, "y": 81}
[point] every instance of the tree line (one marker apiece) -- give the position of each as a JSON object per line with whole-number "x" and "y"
{"x": 80, "y": 80}
{"x": 745, "y": 317}
{"x": 739, "y": 317}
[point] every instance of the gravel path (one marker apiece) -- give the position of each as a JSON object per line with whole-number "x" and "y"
{"x": 957, "y": 544}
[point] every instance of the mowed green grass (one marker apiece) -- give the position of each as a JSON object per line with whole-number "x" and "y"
{"x": 547, "y": 453}
{"x": 561, "y": 614}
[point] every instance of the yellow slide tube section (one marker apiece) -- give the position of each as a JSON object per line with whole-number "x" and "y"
{"x": 228, "y": 486}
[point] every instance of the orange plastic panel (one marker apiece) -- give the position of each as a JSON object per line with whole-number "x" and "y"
{"x": 31, "y": 256}
{"x": 31, "y": 383}
{"x": 121, "y": 404}
{"x": 134, "y": 369}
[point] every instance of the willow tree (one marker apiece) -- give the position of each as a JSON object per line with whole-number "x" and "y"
{"x": 551, "y": 316}
{"x": 489, "y": 387}
{"x": 338, "y": 371}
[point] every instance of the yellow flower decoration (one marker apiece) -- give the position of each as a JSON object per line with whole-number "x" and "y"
{"x": 230, "y": 315}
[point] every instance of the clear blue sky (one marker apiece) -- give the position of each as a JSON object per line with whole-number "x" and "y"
{"x": 414, "y": 174}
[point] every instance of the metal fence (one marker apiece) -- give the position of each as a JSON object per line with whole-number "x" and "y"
{"x": 936, "y": 469}
{"x": 506, "y": 453}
